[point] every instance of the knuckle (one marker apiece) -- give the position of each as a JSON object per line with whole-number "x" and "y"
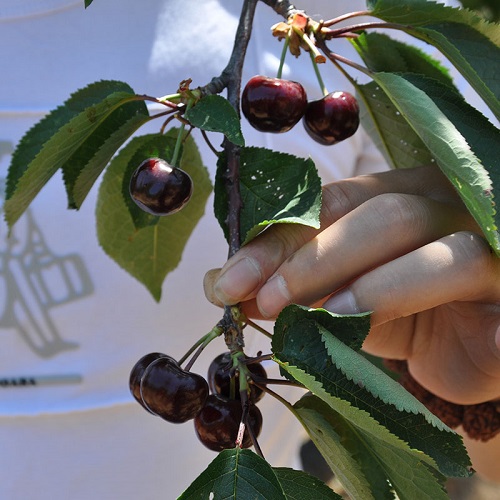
{"x": 405, "y": 214}
{"x": 337, "y": 202}
{"x": 474, "y": 251}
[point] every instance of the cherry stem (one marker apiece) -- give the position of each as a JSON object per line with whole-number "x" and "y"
{"x": 318, "y": 75}
{"x": 180, "y": 138}
{"x": 283, "y": 56}
{"x": 255, "y": 443}
{"x": 215, "y": 332}
{"x": 245, "y": 424}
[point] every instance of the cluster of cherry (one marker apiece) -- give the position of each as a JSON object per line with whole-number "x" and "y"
{"x": 276, "y": 105}
{"x": 163, "y": 388}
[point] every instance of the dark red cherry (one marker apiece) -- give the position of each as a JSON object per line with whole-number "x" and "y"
{"x": 172, "y": 393}
{"x": 136, "y": 374}
{"x": 273, "y": 104}
{"x": 333, "y": 118}
{"x": 220, "y": 378}
{"x": 217, "y": 424}
{"x": 159, "y": 188}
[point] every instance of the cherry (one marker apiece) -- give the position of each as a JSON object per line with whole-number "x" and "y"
{"x": 137, "y": 373}
{"x": 159, "y": 188}
{"x": 217, "y": 424}
{"x": 333, "y": 118}
{"x": 172, "y": 393}
{"x": 273, "y": 104}
{"x": 220, "y": 378}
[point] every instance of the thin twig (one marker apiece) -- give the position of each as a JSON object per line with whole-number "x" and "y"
{"x": 259, "y": 328}
{"x": 364, "y": 26}
{"x": 336, "y": 58}
{"x": 344, "y": 17}
{"x": 209, "y": 143}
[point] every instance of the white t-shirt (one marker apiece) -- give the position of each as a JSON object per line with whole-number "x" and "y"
{"x": 73, "y": 319}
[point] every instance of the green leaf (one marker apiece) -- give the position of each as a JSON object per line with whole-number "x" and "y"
{"x": 439, "y": 123}
{"x": 469, "y": 42}
{"x": 150, "y": 252}
{"x": 489, "y": 9}
{"x": 86, "y": 164}
{"x": 382, "y": 53}
{"x": 343, "y": 378}
{"x": 33, "y": 141}
{"x": 88, "y": 2}
{"x": 368, "y": 464}
{"x": 298, "y": 485}
{"x": 214, "y": 113}
{"x": 241, "y": 475}
{"x": 350, "y": 329}
{"x": 236, "y": 474}
{"x": 275, "y": 188}
{"x": 389, "y": 130}
{"x": 482, "y": 137}
{"x": 53, "y": 141}
{"x": 391, "y": 133}
{"x": 337, "y": 439}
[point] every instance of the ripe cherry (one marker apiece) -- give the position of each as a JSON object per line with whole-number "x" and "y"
{"x": 273, "y": 104}
{"x": 333, "y": 118}
{"x": 137, "y": 373}
{"x": 159, "y": 188}
{"x": 220, "y": 378}
{"x": 172, "y": 393}
{"x": 217, "y": 424}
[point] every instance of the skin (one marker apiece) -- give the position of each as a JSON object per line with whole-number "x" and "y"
{"x": 403, "y": 245}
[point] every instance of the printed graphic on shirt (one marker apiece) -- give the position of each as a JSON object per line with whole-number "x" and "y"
{"x": 33, "y": 281}
{"x": 12, "y": 10}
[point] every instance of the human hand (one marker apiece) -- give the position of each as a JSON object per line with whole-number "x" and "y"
{"x": 400, "y": 244}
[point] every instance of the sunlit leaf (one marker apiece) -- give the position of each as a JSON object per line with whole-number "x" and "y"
{"x": 345, "y": 380}
{"x": 214, "y": 113}
{"x": 51, "y": 143}
{"x": 150, "y": 252}
{"x": 275, "y": 188}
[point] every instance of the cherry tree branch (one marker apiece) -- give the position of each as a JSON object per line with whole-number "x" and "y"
{"x": 282, "y": 7}
{"x": 230, "y": 79}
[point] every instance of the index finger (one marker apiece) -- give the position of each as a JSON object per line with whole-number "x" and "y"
{"x": 246, "y": 272}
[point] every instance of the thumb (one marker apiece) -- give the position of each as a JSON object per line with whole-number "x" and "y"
{"x": 208, "y": 286}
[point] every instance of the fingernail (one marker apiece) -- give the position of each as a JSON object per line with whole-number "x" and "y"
{"x": 497, "y": 339}
{"x": 343, "y": 302}
{"x": 238, "y": 281}
{"x": 209, "y": 279}
{"x": 273, "y": 297}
